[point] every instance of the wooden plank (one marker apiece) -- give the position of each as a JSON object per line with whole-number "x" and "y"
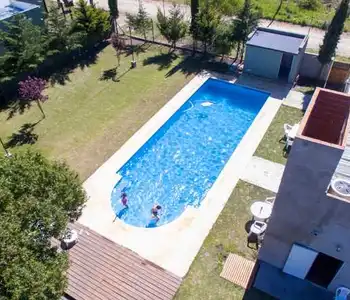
{"x": 101, "y": 269}
{"x": 125, "y": 266}
{"x": 129, "y": 257}
{"x": 238, "y": 270}
{"x": 142, "y": 266}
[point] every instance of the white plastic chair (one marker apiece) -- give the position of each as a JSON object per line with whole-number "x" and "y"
{"x": 257, "y": 228}
{"x": 342, "y": 293}
{"x": 270, "y": 200}
{"x": 287, "y": 128}
{"x": 289, "y": 142}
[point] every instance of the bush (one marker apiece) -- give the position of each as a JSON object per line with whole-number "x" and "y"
{"x": 91, "y": 22}
{"x": 309, "y": 4}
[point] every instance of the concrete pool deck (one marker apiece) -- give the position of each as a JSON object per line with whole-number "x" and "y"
{"x": 172, "y": 246}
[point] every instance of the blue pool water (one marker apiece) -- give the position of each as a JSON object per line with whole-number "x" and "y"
{"x": 178, "y": 165}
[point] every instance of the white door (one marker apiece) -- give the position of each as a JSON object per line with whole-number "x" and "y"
{"x": 299, "y": 261}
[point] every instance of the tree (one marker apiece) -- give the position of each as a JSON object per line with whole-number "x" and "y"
{"x": 31, "y": 89}
{"x": 25, "y": 46}
{"x": 91, "y": 22}
{"x": 58, "y": 31}
{"x": 141, "y": 22}
{"x": 332, "y": 36}
{"x": 223, "y": 43}
{"x": 207, "y": 21}
{"x": 194, "y": 12}
{"x": 118, "y": 44}
{"x": 173, "y": 28}
{"x": 37, "y": 199}
{"x": 247, "y": 22}
{"x": 114, "y": 14}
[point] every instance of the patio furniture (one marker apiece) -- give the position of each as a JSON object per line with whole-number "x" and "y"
{"x": 342, "y": 293}
{"x": 287, "y": 128}
{"x": 293, "y": 131}
{"x": 258, "y": 228}
{"x": 69, "y": 239}
{"x": 270, "y": 200}
{"x": 261, "y": 210}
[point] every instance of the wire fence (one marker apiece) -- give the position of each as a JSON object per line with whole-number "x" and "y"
{"x": 187, "y": 43}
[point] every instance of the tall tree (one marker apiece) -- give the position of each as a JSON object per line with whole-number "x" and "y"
{"x": 37, "y": 199}
{"x": 194, "y": 12}
{"x": 114, "y": 14}
{"x": 246, "y": 22}
{"x": 223, "y": 42}
{"x": 25, "y": 46}
{"x": 32, "y": 89}
{"x": 332, "y": 36}
{"x": 173, "y": 28}
{"x": 207, "y": 21}
{"x": 141, "y": 22}
{"x": 91, "y": 22}
{"x": 58, "y": 31}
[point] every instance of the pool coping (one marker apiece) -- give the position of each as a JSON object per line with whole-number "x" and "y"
{"x": 172, "y": 246}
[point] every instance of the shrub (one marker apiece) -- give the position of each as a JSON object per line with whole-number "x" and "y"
{"x": 31, "y": 90}
{"x": 309, "y": 4}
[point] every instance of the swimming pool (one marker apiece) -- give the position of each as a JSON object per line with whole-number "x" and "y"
{"x": 178, "y": 165}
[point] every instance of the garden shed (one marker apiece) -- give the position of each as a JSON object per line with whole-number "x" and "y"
{"x": 274, "y": 54}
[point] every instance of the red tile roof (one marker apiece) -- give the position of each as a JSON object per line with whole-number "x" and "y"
{"x": 100, "y": 269}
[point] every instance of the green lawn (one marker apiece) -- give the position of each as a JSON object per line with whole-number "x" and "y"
{"x": 270, "y": 147}
{"x": 91, "y": 115}
{"x": 290, "y": 11}
{"x": 227, "y": 235}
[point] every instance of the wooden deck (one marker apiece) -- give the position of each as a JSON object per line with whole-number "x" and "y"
{"x": 100, "y": 269}
{"x": 239, "y": 270}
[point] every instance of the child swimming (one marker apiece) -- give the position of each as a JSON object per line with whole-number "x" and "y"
{"x": 155, "y": 211}
{"x": 124, "y": 200}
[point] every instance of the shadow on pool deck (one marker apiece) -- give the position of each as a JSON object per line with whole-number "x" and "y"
{"x": 273, "y": 281}
{"x": 277, "y": 88}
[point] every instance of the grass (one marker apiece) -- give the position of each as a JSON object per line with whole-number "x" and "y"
{"x": 229, "y": 234}
{"x": 95, "y": 109}
{"x": 337, "y": 57}
{"x": 270, "y": 148}
{"x": 290, "y": 11}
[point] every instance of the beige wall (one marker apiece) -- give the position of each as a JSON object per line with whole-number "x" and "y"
{"x": 304, "y": 214}
{"x": 262, "y": 62}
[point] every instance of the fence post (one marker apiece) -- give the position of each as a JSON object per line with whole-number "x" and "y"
{"x": 152, "y": 31}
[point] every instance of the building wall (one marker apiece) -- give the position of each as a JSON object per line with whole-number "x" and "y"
{"x": 304, "y": 214}
{"x": 310, "y": 67}
{"x": 262, "y": 62}
{"x": 296, "y": 64}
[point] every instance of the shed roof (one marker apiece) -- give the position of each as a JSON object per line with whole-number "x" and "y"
{"x": 101, "y": 269}
{"x": 277, "y": 40}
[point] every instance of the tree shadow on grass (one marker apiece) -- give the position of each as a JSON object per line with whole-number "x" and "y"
{"x": 111, "y": 74}
{"x": 136, "y": 49}
{"x": 193, "y": 65}
{"x": 24, "y": 136}
{"x": 56, "y": 69}
{"x": 18, "y": 106}
{"x": 163, "y": 60}
{"x": 61, "y": 76}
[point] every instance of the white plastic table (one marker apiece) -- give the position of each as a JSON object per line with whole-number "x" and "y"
{"x": 261, "y": 210}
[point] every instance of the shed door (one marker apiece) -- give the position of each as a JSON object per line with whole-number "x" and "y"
{"x": 299, "y": 261}
{"x": 286, "y": 65}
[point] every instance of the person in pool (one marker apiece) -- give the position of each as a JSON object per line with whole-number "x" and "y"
{"x": 124, "y": 200}
{"x": 155, "y": 211}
